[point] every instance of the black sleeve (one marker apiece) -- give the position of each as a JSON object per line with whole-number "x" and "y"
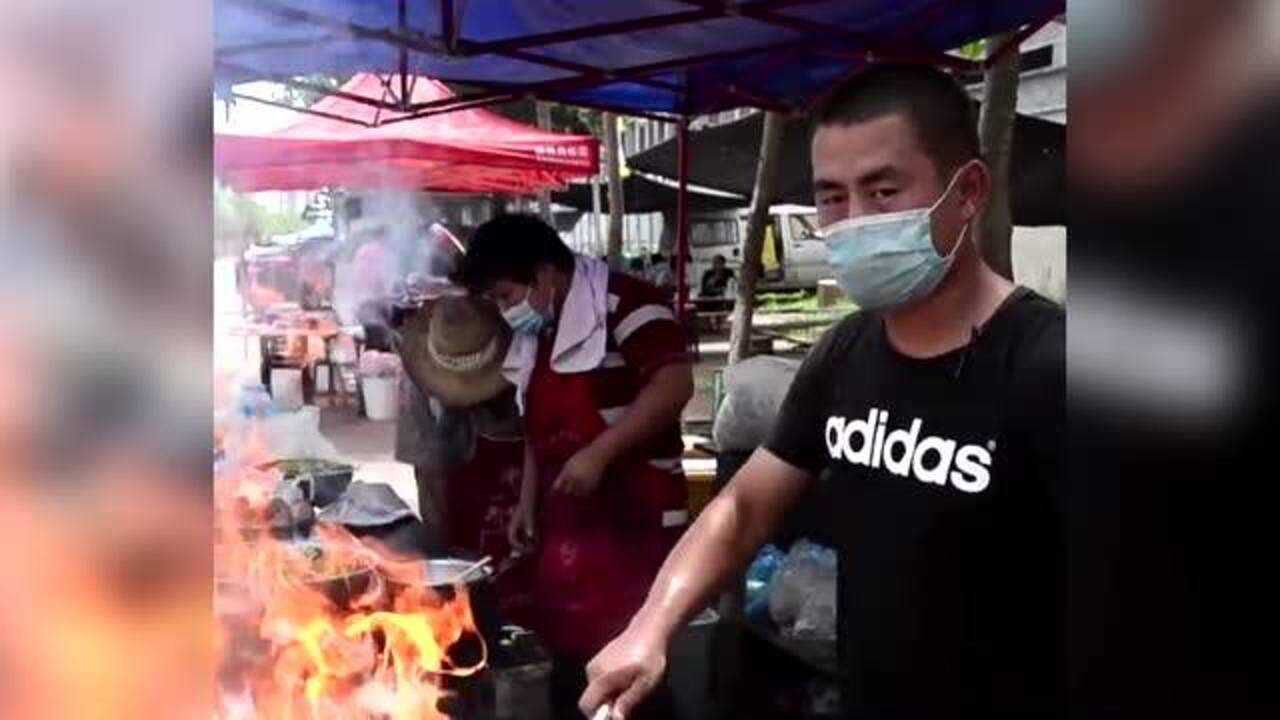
{"x": 1039, "y": 410}
{"x": 798, "y": 431}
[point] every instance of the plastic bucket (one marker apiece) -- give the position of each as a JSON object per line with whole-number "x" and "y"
{"x": 286, "y": 388}
{"x": 380, "y": 398}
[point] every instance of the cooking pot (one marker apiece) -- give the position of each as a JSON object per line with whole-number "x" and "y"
{"x": 443, "y": 575}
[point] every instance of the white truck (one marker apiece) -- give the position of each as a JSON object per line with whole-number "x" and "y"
{"x": 793, "y": 257}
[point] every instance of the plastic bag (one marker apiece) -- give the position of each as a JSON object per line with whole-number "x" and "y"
{"x": 367, "y": 505}
{"x": 375, "y": 364}
{"x": 283, "y": 436}
{"x": 755, "y": 389}
{"x": 759, "y": 578}
{"x": 802, "y": 598}
{"x": 817, "y": 616}
{"x": 254, "y": 400}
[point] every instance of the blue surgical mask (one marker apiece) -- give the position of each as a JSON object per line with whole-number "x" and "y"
{"x": 524, "y": 318}
{"x": 889, "y": 259}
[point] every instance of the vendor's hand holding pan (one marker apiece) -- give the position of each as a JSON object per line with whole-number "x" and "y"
{"x": 522, "y": 530}
{"x": 581, "y": 475}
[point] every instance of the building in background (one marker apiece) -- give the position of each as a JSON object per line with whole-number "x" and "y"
{"x": 1042, "y": 81}
{"x": 1040, "y": 253}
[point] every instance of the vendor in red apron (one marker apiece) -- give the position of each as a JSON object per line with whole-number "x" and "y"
{"x": 602, "y": 374}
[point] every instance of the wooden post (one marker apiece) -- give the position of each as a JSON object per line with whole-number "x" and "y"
{"x": 616, "y": 209}
{"x": 995, "y": 129}
{"x": 753, "y": 247}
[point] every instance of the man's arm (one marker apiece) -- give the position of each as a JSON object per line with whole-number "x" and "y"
{"x": 522, "y": 530}
{"x": 655, "y": 408}
{"x": 715, "y": 549}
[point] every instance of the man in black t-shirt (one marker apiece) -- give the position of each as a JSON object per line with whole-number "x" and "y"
{"x": 936, "y": 411}
{"x": 716, "y": 279}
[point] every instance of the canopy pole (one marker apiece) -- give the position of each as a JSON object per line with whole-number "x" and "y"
{"x": 682, "y": 218}
{"x": 448, "y": 27}
{"x": 402, "y": 13}
{"x": 595, "y": 214}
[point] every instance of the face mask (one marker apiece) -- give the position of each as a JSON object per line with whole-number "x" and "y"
{"x": 523, "y": 318}
{"x": 889, "y": 259}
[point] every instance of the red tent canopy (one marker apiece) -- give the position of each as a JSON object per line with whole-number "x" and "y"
{"x": 461, "y": 151}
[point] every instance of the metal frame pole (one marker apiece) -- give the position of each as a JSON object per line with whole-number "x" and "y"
{"x": 595, "y": 214}
{"x": 682, "y": 219}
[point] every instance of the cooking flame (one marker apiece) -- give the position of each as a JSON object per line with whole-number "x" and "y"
{"x": 329, "y": 627}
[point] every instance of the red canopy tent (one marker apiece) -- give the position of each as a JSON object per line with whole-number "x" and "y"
{"x": 468, "y": 150}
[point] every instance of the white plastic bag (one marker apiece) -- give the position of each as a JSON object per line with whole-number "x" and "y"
{"x": 282, "y": 436}
{"x": 817, "y": 616}
{"x": 755, "y": 389}
{"x": 375, "y": 364}
{"x": 802, "y": 597}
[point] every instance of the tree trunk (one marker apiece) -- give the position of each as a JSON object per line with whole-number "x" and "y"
{"x": 761, "y": 199}
{"x": 544, "y": 197}
{"x": 667, "y": 241}
{"x": 616, "y": 209}
{"x": 995, "y": 128}
{"x": 596, "y": 231}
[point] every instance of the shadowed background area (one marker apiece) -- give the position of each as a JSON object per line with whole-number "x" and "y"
{"x": 1172, "y": 167}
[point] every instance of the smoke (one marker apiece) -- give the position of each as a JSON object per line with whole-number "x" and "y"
{"x": 390, "y": 247}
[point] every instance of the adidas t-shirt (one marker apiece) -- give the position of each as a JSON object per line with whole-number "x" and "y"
{"x": 951, "y": 548}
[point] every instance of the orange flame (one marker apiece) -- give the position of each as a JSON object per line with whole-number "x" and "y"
{"x": 333, "y": 629}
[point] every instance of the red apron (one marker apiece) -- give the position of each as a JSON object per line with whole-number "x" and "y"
{"x": 597, "y": 555}
{"x": 482, "y": 497}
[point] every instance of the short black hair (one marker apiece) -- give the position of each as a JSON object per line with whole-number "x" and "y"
{"x": 511, "y": 247}
{"x": 939, "y": 109}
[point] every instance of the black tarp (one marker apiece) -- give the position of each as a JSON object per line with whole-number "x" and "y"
{"x": 724, "y": 157}
{"x": 645, "y": 196}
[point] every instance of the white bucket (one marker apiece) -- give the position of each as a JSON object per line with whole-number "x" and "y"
{"x": 380, "y": 398}
{"x": 286, "y": 388}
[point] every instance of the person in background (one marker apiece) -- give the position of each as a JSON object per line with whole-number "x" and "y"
{"x": 661, "y": 272}
{"x": 716, "y": 279}
{"x": 712, "y": 293}
{"x": 602, "y": 376}
{"x": 374, "y": 291}
{"x": 636, "y": 269}
{"x": 459, "y": 428}
{"x": 937, "y": 411}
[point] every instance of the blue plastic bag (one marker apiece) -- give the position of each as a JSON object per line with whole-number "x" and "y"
{"x": 759, "y": 577}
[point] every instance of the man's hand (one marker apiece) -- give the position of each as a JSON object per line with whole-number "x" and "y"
{"x": 624, "y": 673}
{"x": 581, "y": 475}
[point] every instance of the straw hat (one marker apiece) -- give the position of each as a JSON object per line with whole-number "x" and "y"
{"x": 453, "y": 350}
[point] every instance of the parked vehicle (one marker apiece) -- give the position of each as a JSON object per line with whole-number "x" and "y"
{"x": 793, "y": 258}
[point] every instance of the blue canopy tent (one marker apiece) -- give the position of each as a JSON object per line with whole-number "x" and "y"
{"x": 666, "y": 58}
